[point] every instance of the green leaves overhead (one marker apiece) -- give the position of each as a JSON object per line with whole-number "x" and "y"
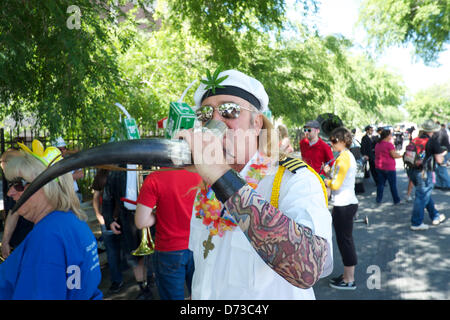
{"x": 424, "y": 23}
{"x": 307, "y": 77}
{"x": 70, "y": 79}
{"x": 431, "y": 103}
{"x": 219, "y": 22}
{"x": 65, "y": 73}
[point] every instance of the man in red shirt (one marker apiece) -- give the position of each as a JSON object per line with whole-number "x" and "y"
{"x": 172, "y": 193}
{"x": 315, "y": 151}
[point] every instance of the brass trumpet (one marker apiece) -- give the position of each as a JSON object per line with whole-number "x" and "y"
{"x": 147, "y": 246}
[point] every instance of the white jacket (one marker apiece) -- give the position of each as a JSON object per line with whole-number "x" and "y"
{"x": 234, "y": 270}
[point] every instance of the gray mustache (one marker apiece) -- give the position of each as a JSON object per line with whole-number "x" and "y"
{"x": 153, "y": 152}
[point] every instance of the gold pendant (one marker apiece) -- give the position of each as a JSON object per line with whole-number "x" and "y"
{"x": 208, "y": 246}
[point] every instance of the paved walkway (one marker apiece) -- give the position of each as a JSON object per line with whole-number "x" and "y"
{"x": 410, "y": 264}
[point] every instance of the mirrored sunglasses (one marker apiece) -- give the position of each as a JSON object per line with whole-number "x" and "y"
{"x": 18, "y": 183}
{"x": 307, "y": 129}
{"x": 227, "y": 110}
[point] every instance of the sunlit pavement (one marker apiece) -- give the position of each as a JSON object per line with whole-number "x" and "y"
{"x": 393, "y": 261}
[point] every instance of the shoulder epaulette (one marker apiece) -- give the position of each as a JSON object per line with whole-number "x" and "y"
{"x": 292, "y": 164}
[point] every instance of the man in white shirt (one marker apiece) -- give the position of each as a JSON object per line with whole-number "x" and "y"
{"x": 269, "y": 237}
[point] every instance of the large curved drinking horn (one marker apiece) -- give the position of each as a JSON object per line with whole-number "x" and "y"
{"x": 155, "y": 152}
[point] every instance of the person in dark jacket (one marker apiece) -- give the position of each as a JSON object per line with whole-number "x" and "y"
{"x": 368, "y": 150}
{"x": 125, "y": 235}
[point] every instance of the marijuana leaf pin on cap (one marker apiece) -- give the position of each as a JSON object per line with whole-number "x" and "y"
{"x": 213, "y": 82}
{"x": 234, "y": 83}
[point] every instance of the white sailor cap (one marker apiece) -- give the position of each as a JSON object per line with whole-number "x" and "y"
{"x": 236, "y": 84}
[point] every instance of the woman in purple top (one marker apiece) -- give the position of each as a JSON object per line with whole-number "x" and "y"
{"x": 385, "y": 156}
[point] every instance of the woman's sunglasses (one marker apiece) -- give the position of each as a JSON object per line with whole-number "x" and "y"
{"x": 18, "y": 183}
{"x": 227, "y": 110}
{"x": 334, "y": 140}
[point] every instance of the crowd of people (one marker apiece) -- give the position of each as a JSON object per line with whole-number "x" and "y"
{"x": 253, "y": 229}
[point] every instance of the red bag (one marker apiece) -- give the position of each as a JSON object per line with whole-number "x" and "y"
{"x": 415, "y": 153}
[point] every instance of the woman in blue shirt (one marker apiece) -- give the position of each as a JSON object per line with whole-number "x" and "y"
{"x": 58, "y": 259}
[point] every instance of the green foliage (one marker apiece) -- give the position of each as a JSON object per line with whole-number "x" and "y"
{"x": 158, "y": 67}
{"x": 70, "y": 79}
{"x": 308, "y": 77}
{"x": 217, "y": 22}
{"x": 431, "y": 103}
{"x": 66, "y": 77}
{"x": 424, "y": 23}
{"x": 85, "y": 186}
{"x": 294, "y": 73}
{"x": 372, "y": 86}
{"x": 392, "y": 115}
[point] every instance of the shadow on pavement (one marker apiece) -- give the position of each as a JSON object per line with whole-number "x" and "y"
{"x": 393, "y": 261}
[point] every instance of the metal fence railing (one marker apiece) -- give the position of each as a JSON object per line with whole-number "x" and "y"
{"x": 74, "y": 142}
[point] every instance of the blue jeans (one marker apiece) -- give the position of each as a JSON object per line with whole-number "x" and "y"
{"x": 391, "y": 177}
{"x": 118, "y": 255}
{"x": 424, "y": 187}
{"x": 113, "y": 252}
{"x": 172, "y": 270}
{"x": 442, "y": 178}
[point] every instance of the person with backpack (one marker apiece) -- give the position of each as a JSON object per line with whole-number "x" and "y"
{"x": 368, "y": 150}
{"x": 411, "y": 148}
{"x": 420, "y": 164}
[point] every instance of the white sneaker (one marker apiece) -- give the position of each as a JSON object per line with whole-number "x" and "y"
{"x": 409, "y": 199}
{"x": 420, "y": 227}
{"x": 438, "y": 221}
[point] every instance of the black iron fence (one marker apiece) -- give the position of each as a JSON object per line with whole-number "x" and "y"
{"x": 74, "y": 141}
